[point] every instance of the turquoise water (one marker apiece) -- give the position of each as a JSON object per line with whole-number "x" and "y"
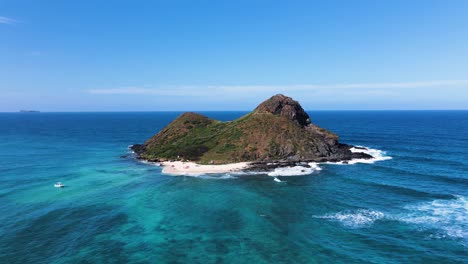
{"x": 412, "y": 208}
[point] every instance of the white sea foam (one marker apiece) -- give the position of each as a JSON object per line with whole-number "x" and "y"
{"x": 379, "y": 155}
{"x": 278, "y": 180}
{"x": 130, "y": 150}
{"x": 442, "y": 218}
{"x": 150, "y": 163}
{"x": 213, "y": 176}
{"x": 315, "y": 166}
{"x": 449, "y": 217}
{"x": 355, "y": 219}
{"x": 295, "y": 171}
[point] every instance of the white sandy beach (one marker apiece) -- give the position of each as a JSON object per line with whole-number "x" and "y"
{"x": 179, "y": 167}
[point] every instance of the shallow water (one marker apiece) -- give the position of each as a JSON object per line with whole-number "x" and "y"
{"x": 411, "y": 208}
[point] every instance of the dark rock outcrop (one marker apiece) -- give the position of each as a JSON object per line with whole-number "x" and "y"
{"x": 285, "y": 106}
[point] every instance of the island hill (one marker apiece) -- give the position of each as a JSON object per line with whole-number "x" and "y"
{"x": 278, "y": 131}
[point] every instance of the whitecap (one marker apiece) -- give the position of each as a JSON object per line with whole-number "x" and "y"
{"x": 355, "y": 219}
{"x": 315, "y": 166}
{"x": 295, "y": 170}
{"x": 378, "y": 155}
{"x": 443, "y": 219}
{"x": 213, "y": 176}
{"x": 448, "y": 217}
{"x": 130, "y": 150}
{"x": 149, "y": 162}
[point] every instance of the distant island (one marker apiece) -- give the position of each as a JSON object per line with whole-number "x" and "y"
{"x": 277, "y": 133}
{"x": 29, "y": 111}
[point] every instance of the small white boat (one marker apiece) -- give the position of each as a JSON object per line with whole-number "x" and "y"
{"x": 59, "y": 185}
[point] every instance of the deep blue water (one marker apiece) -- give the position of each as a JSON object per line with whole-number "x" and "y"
{"x": 410, "y": 209}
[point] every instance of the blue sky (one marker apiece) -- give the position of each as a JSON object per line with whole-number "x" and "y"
{"x": 230, "y": 55}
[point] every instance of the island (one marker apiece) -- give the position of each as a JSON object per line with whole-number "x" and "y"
{"x": 29, "y": 111}
{"x": 277, "y": 133}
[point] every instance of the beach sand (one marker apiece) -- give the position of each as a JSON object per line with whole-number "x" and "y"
{"x": 179, "y": 167}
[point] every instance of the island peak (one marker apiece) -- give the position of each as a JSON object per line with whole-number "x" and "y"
{"x": 284, "y": 106}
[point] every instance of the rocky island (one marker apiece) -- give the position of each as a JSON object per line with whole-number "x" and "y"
{"x": 277, "y": 133}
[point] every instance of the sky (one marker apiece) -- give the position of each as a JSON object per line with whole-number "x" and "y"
{"x": 231, "y": 55}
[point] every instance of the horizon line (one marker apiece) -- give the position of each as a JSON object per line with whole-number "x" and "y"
{"x": 169, "y": 111}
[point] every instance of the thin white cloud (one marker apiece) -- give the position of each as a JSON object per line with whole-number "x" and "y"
{"x": 212, "y": 90}
{"x": 7, "y": 20}
{"x": 176, "y": 91}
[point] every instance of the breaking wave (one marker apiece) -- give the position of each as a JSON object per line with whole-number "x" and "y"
{"x": 442, "y": 218}
{"x": 150, "y": 163}
{"x": 379, "y": 155}
{"x": 211, "y": 176}
{"x": 355, "y": 219}
{"x": 295, "y": 171}
{"x": 448, "y": 217}
{"x": 278, "y": 180}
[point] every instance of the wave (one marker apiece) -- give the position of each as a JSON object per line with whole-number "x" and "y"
{"x": 215, "y": 177}
{"x": 439, "y": 160}
{"x": 130, "y": 150}
{"x": 355, "y": 219}
{"x": 449, "y": 217}
{"x": 442, "y": 218}
{"x": 295, "y": 171}
{"x": 379, "y": 155}
{"x": 446, "y": 179}
{"x": 150, "y": 162}
{"x": 402, "y": 190}
{"x": 212, "y": 176}
{"x": 278, "y": 180}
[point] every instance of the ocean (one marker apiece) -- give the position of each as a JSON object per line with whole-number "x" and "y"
{"x": 412, "y": 208}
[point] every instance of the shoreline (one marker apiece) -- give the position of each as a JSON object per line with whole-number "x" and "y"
{"x": 188, "y": 167}
{"x": 271, "y": 168}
